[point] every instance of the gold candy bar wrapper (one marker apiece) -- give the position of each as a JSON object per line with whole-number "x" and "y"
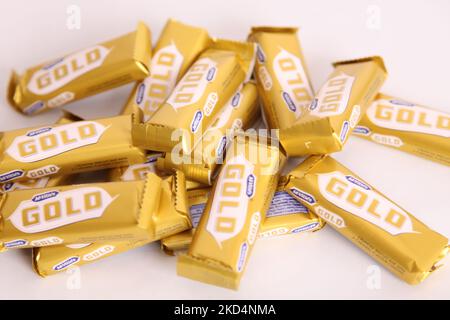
{"x": 284, "y": 216}
{"x": 229, "y": 226}
{"x": 177, "y": 48}
{"x": 48, "y": 261}
{"x": 36, "y": 184}
{"x": 336, "y": 108}
{"x": 281, "y": 74}
{"x": 407, "y": 126}
{"x": 170, "y": 217}
{"x": 81, "y": 74}
{"x": 239, "y": 112}
{"x": 97, "y": 212}
{"x": 197, "y": 98}
{"x": 197, "y": 199}
{"x": 136, "y": 171}
{"x": 288, "y": 216}
{"x": 377, "y": 225}
{"x": 46, "y": 181}
{"x": 64, "y": 149}
{"x": 191, "y": 185}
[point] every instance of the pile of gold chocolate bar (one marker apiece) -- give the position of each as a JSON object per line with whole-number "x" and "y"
{"x": 187, "y": 164}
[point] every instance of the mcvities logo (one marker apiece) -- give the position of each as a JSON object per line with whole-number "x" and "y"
{"x": 192, "y": 86}
{"x": 296, "y": 89}
{"x": 332, "y": 98}
{"x": 396, "y": 115}
{"x": 165, "y": 66}
{"x": 49, "y": 143}
{"x": 230, "y": 204}
{"x": 57, "y": 75}
{"x": 356, "y": 197}
{"x": 53, "y": 209}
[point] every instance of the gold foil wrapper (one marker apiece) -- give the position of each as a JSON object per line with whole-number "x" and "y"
{"x": 229, "y": 226}
{"x": 284, "y": 216}
{"x": 287, "y": 217}
{"x": 98, "y": 212}
{"x": 65, "y": 149}
{"x": 407, "y": 126}
{"x": 81, "y": 74}
{"x": 201, "y": 164}
{"x": 336, "y": 108}
{"x": 281, "y": 74}
{"x": 136, "y": 171}
{"x": 170, "y": 217}
{"x": 197, "y": 98}
{"x": 197, "y": 199}
{"x": 178, "y": 47}
{"x": 46, "y": 181}
{"x": 373, "y": 222}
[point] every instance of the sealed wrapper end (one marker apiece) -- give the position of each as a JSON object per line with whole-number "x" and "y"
{"x": 170, "y": 217}
{"x": 377, "y": 225}
{"x": 136, "y": 171}
{"x": 98, "y": 212}
{"x": 197, "y": 98}
{"x": 202, "y": 163}
{"x": 57, "y": 180}
{"x": 197, "y": 198}
{"x": 336, "y": 108}
{"x": 177, "y": 48}
{"x": 64, "y": 149}
{"x": 237, "y": 205}
{"x": 288, "y": 216}
{"x": 285, "y": 216}
{"x": 281, "y": 74}
{"x": 407, "y": 126}
{"x": 81, "y": 74}
{"x": 51, "y": 260}
{"x": 191, "y": 185}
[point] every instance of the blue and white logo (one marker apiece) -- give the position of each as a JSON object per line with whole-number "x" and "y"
{"x": 221, "y": 147}
{"x": 235, "y": 100}
{"x": 361, "y": 130}
{"x": 287, "y": 99}
{"x": 44, "y": 196}
{"x": 402, "y": 103}
{"x": 140, "y": 93}
{"x": 357, "y": 182}
{"x": 344, "y": 131}
{"x": 11, "y": 175}
{"x": 52, "y": 64}
{"x": 38, "y": 132}
{"x": 250, "y": 185}
{"x": 16, "y": 243}
{"x": 303, "y": 196}
{"x": 242, "y": 257}
{"x": 308, "y": 227}
{"x": 314, "y": 104}
{"x": 211, "y": 74}
{"x": 35, "y": 107}
{"x": 260, "y": 54}
{"x": 66, "y": 263}
{"x": 196, "y": 121}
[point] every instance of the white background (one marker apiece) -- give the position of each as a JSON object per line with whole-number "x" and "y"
{"x": 412, "y": 36}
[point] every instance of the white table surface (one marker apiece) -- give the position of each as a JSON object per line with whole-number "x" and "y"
{"x": 412, "y": 36}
